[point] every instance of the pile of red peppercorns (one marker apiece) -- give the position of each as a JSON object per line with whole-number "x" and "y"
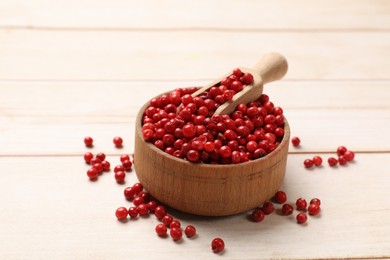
{"x": 100, "y": 164}
{"x": 186, "y": 127}
{"x": 143, "y": 203}
{"x": 344, "y": 156}
{"x": 287, "y": 209}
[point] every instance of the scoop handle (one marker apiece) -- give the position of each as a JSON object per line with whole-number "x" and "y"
{"x": 271, "y": 67}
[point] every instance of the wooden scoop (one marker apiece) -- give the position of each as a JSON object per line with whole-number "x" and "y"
{"x": 271, "y": 67}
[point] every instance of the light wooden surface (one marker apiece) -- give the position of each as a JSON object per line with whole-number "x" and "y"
{"x": 74, "y": 68}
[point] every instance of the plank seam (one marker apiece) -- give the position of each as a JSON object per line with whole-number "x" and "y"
{"x": 195, "y": 28}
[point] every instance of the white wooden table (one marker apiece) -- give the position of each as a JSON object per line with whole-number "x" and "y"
{"x": 69, "y": 69}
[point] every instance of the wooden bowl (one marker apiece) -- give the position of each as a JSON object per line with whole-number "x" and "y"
{"x": 206, "y": 189}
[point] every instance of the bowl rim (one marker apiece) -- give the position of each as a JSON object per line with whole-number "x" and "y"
{"x": 138, "y": 131}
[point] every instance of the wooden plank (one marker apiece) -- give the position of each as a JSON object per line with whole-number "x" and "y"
{"x": 54, "y": 117}
{"x": 187, "y": 55}
{"x": 53, "y": 211}
{"x": 275, "y": 15}
{"x": 91, "y": 101}
{"x": 320, "y": 130}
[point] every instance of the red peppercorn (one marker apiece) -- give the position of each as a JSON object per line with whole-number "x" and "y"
{"x": 270, "y": 137}
{"x": 341, "y": 150}
{"x": 287, "y": 209}
{"x": 209, "y": 147}
{"x": 189, "y": 131}
{"x": 258, "y": 153}
{"x": 242, "y": 108}
{"x": 279, "y": 132}
{"x": 143, "y": 209}
{"x": 95, "y": 160}
{"x": 147, "y": 134}
{"x": 280, "y": 197}
{"x": 278, "y": 111}
{"x": 187, "y": 99}
{"x": 127, "y": 165}
{"x": 176, "y": 233}
{"x": 92, "y": 174}
{"x": 160, "y": 212}
{"x": 175, "y": 223}
{"x": 237, "y": 72}
{"x": 332, "y": 161}
{"x": 236, "y": 86}
{"x": 217, "y": 245}
{"x": 101, "y": 156}
{"x": 159, "y": 144}
{"x": 247, "y": 79}
{"x": 118, "y": 141}
{"x": 301, "y": 218}
{"x": 133, "y": 212}
{"x": 349, "y": 155}
{"x": 88, "y": 157}
{"x": 342, "y": 160}
{"x": 167, "y": 220}
{"x": 301, "y": 204}
{"x": 251, "y": 146}
{"x": 308, "y": 163}
{"x": 257, "y": 215}
{"x": 190, "y": 231}
{"x": 219, "y": 99}
{"x": 106, "y": 165}
{"x": 279, "y": 120}
{"x": 138, "y": 188}
{"x": 120, "y": 177}
{"x": 119, "y": 168}
{"x": 138, "y": 201}
{"x": 152, "y": 205}
{"x": 230, "y": 134}
{"x": 145, "y": 196}
{"x": 314, "y": 209}
{"x": 125, "y": 157}
{"x": 252, "y": 112}
{"x": 98, "y": 167}
{"x": 317, "y": 160}
{"x": 129, "y": 193}
{"x": 295, "y": 141}
{"x": 226, "y": 82}
{"x": 161, "y": 230}
{"x": 193, "y": 155}
{"x": 268, "y": 207}
{"x": 121, "y": 213}
{"x": 228, "y": 95}
{"x": 88, "y": 141}
{"x": 225, "y": 151}
{"x": 315, "y": 201}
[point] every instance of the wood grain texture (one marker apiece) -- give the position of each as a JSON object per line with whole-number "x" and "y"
{"x": 91, "y": 55}
{"x": 175, "y": 14}
{"x": 53, "y": 211}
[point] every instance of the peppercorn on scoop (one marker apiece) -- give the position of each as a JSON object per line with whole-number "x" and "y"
{"x": 271, "y": 67}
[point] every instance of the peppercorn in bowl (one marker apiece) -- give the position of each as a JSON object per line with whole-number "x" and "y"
{"x": 205, "y": 164}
